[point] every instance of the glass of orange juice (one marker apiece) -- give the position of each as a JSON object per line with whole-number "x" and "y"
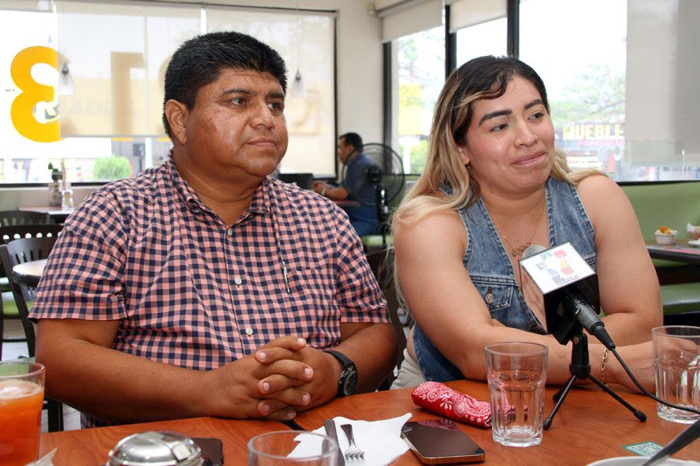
{"x": 21, "y": 398}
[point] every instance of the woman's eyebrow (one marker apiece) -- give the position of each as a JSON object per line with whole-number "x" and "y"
{"x": 534, "y": 103}
{"x": 495, "y": 114}
{"x": 499, "y": 113}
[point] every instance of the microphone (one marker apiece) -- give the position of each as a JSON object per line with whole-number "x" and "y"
{"x": 577, "y": 304}
{"x": 532, "y": 250}
{"x": 559, "y": 284}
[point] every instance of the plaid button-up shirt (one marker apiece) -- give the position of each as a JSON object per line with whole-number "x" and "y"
{"x": 193, "y": 292}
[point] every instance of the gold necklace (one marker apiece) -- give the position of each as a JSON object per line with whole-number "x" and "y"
{"x": 515, "y": 252}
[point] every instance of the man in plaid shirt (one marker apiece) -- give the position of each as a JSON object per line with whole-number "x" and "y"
{"x": 204, "y": 287}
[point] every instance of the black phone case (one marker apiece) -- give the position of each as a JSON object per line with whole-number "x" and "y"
{"x": 212, "y": 450}
{"x": 440, "y": 441}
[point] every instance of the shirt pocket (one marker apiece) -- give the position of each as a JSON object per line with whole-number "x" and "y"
{"x": 310, "y": 276}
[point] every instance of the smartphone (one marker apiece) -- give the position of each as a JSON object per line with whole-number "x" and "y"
{"x": 212, "y": 450}
{"x": 440, "y": 441}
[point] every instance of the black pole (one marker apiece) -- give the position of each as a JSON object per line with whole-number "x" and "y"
{"x": 388, "y": 118}
{"x": 513, "y": 26}
{"x": 450, "y": 45}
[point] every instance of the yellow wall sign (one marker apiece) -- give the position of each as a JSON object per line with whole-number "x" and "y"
{"x": 26, "y": 104}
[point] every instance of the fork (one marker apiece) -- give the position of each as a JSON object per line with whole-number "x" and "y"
{"x": 352, "y": 452}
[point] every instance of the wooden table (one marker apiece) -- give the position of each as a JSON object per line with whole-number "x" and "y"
{"x": 679, "y": 252}
{"x": 29, "y": 273}
{"x": 590, "y": 426}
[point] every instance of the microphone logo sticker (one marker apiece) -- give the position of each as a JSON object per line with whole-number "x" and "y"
{"x": 555, "y": 268}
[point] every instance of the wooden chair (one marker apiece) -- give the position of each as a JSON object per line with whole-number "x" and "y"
{"x": 13, "y": 232}
{"x": 8, "y": 307}
{"x": 17, "y": 252}
{"x": 380, "y": 263}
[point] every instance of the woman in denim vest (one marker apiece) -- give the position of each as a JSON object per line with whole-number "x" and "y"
{"x": 494, "y": 185}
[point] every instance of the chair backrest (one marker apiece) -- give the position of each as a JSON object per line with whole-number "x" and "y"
{"x": 22, "y": 217}
{"x": 380, "y": 263}
{"x": 13, "y": 232}
{"x": 18, "y": 252}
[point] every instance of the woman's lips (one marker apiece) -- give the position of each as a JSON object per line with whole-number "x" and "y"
{"x": 529, "y": 159}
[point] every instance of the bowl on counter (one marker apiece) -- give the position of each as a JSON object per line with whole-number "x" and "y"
{"x": 665, "y": 235}
{"x": 666, "y": 238}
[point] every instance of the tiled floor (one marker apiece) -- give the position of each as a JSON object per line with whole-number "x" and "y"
{"x": 13, "y": 328}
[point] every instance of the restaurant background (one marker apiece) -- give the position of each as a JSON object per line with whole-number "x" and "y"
{"x": 81, "y": 80}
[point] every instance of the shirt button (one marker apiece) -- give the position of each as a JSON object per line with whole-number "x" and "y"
{"x": 489, "y": 299}
{"x": 248, "y": 331}
{"x": 196, "y": 211}
{"x": 229, "y": 231}
{"x": 237, "y": 280}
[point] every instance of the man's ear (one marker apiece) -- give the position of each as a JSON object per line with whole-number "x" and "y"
{"x": 176, "y": 113}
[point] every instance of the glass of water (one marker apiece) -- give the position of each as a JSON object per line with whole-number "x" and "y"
{"x": 677, "y": 370}
{"x": 516, "y": 374}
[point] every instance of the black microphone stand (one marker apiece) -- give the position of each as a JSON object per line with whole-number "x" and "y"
{"x": 580, "y": 368}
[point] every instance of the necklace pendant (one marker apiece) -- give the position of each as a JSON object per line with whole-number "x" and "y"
{"x": 520, "y": 250}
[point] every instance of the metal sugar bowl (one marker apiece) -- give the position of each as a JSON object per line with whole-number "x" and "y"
{"x": 156, "y": 448}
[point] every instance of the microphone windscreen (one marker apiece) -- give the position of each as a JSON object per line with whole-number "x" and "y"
{"x": 533, "y": 250}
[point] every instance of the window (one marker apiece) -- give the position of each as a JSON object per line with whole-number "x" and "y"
{"x": 304, "y": 40}
{"x": 95, "y": 111}
{"x": 417, "y": 37}
{"x": 421, "y": 75}
{"x": 621, "y": 80}
{"x": 481, "y": 28}
{"x": 487, "y": 38}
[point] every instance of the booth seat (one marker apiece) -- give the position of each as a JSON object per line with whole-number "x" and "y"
{"x": 673, "y": 204}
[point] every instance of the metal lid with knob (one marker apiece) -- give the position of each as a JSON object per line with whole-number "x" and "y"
{"x": 156, "y": 448}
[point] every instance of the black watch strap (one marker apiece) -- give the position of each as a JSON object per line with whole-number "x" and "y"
{"x": 348, "y": 377}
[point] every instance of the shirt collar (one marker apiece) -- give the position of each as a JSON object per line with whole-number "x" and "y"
{"x": 259, "y": 205}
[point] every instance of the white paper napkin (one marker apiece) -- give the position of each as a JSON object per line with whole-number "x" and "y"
{"x": 45, "y": 460}
{"x": 381, "y": 440}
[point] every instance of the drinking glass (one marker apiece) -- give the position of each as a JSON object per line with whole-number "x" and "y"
{"x": 516, "y": 374}
{"x": 292, "y": 448}
{"x": 21, "y": 399}
{"x": 677, "y": 370}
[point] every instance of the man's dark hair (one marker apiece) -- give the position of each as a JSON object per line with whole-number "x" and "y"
{"x": 354, "y": 140}
{"x": 198, "y": 62}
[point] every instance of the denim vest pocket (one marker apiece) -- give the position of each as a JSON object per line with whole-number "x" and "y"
{"x": 497, "y": 295}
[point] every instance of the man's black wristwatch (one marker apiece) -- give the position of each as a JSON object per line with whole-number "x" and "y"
{"x": 348, "y": 378}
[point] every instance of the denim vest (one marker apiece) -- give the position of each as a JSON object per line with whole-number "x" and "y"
{"x": 491, "y": 271}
